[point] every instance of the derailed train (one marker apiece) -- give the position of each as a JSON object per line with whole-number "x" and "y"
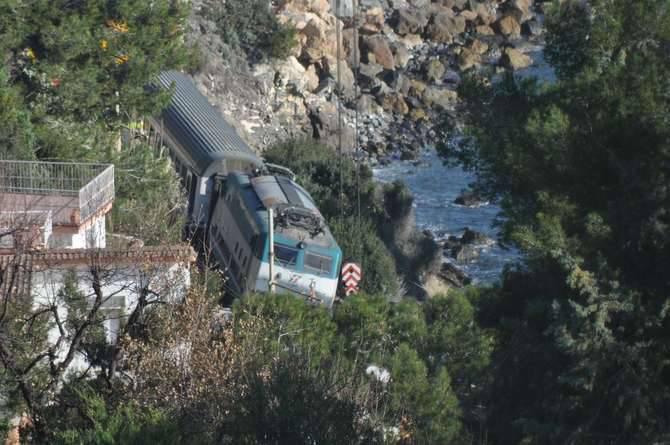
{"x": 229, "y": 192}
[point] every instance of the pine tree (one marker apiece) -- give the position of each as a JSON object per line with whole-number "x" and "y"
{"x": 581, "y": 167}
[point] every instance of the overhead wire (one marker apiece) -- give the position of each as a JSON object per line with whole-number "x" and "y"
{"x": 338, "y": 38}
{"x": 356, "y": 62}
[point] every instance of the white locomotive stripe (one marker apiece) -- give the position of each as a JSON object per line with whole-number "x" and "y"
{"x": 298, "y": 283}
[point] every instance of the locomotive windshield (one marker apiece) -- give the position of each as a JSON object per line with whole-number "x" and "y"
{"x": 287, "y": 256}
{"x": 318, "y": 264}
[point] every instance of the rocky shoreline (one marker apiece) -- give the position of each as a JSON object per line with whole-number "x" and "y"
{"x": 409, "y": 59}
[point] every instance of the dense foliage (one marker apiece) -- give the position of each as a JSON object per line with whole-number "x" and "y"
{"x": 582, "y": 168}
{"x": 282, "y": 371}
{"x": 253, "y": 27}
{"x": 72, "y": 71}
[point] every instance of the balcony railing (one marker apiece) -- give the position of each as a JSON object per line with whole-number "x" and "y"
{"x": 91, "y": 185}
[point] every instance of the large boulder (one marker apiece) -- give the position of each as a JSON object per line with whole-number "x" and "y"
{"x": 508, "y": 26}
{"x": 401, "y": 54}
{"x": 329, "y": 64}
{"x": 411, "y": 41}
{"x": 469, "y": 199}
{"x": 394, "y": 102}
{"x": 434, "y": 70}
{"x": 409, "y": 21}
{"x": 419, "y": 3}
{"x": 473, "y": 237}
{"x": 485, "y": 30}
{"x": 479, "y": 47}
{"x": 403, "y": 85}
{"x": 349, "y": 44}
{"x": 468, "y": 59}
{"x": 521, "y": 10}
{"x": 444, "y": 27}
{"x": 514, "y": 59}
{"x": 468, "y": 15}
{"x": 464, "y": 253}
{"x": 346, "y": 8}
{"x": 367, "y": 104}
{"x": 290, "y": 73}
{"x": 439, "y": 97}
{"x": 454, "y": 276}
{"x": 319, "y": 40}
{"x": 311, "y": 79}
{"x": 370, "y": 69}
{"x": 485, "y": 11}
{"x": 319, "y": 7}
{"x": 373, "y": 21}
{"x": 379, "y": 47}
{"x": 417, "y": 89}
{"x": 367, "y": 75}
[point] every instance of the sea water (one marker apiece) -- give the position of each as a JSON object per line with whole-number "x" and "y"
{"x": 435, "y": 187}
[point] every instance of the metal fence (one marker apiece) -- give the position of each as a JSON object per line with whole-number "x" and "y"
{"x": 47, "y": 178}
{"x": 93, "y": 184}
{"x": 97, "y": 193}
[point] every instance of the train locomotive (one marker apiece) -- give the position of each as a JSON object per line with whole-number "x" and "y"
{"x": 230, "y": 190}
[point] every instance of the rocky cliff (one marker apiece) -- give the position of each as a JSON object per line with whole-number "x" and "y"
{"x": 407, "y": 55}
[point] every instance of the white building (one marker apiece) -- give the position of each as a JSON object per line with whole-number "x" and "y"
{"x": 73, "y": 198}
{"x": 53, "y": 241}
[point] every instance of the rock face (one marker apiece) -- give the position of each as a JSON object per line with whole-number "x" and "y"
{"x": 406, "y": 56}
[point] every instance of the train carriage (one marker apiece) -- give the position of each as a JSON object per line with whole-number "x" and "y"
{"x": 202, "y": 144}
{"x": 230, "y": 190}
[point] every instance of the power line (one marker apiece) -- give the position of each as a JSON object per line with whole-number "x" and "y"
{"x": 357, "y": 64}
{"x": 338, "y": 37}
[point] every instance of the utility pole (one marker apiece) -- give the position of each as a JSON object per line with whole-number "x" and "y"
{"x": 271, "y": 233}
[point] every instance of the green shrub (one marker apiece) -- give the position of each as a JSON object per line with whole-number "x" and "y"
{"x": 360, "y": 243}
{"x": 253, "y": 27}
{"x": 123, "y": 424}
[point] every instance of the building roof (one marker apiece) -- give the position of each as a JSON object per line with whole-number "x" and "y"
{"x": 199, "y": 127}
{"x": 57, "y": 257}
{"x": 16, "y": 269}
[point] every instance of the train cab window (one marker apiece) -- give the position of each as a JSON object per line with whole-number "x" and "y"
{"x": 287, "y": 256}
{"x": 318, "y": 264}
